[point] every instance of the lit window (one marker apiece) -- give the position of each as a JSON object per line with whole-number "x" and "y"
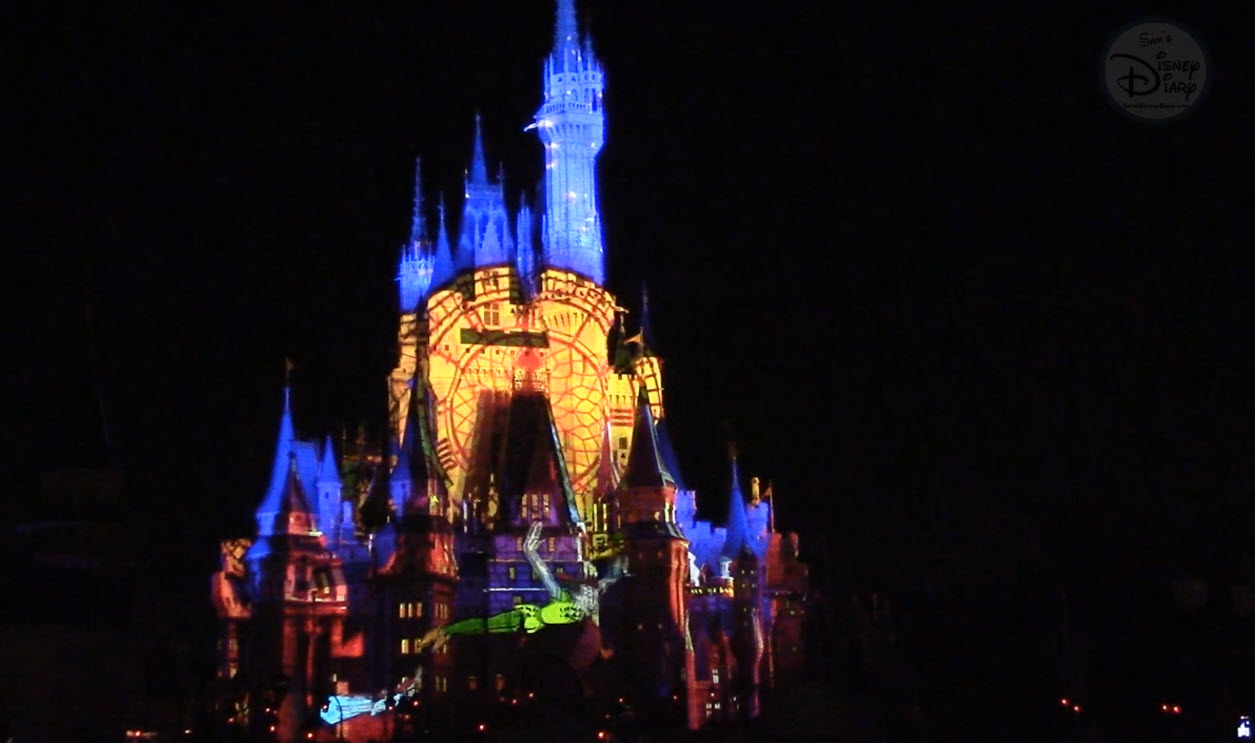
{"x": 418, "y": 609}
{"x": 517, "y": 599}
{"x": 512, "y": 572}
{"x": 405, "y": 646}
{"x": 472, "y": 683}
{"x": 401, "y": 611}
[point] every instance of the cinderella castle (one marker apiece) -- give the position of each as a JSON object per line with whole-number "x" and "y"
{"x": 527, "y": 511}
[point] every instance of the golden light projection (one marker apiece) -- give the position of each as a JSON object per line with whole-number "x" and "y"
{"x": 483, "y": 344}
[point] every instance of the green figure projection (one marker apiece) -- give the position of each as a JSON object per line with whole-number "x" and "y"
{"x": 582, "y": 601}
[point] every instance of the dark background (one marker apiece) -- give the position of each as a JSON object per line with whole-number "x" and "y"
{"x": 989, "y": 338}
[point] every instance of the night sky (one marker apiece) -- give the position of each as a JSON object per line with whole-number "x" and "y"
{"x": 959, "y": 310}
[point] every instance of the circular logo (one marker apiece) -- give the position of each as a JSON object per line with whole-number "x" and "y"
{"x": 1155, "y": 70}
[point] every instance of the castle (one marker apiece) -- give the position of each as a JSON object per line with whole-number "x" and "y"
{"x": 519, "y": 398}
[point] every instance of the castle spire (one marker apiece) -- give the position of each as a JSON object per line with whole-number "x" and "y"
{"x": 571, "y": 125}
{"x": 484, "y": 235}
{"x": 566, "y": 41}
{"x": 738, "y": 525}
{"x": 414, "y": 272}
{"x": 479, "y": 171}
{"x": 418, "y": 225}
{"x": 284, "y": 446}
{"x": 442, "y": 265}
{"x": 645, "y": 466}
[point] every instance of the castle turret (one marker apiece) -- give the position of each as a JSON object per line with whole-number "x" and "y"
{"x": 485, "y": 230}
{"x": 656, "y": 637}
{"x": 571, "y": 124}
{"x": 414, "y": 273}
{"x": 443, "y": 269}
{"x": 330, "y": 512}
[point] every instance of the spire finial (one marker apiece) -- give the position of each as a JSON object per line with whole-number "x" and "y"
{"x": 479, "y": 172}
{"x": 418, "y": 226}
{"x": 567, "y": 30}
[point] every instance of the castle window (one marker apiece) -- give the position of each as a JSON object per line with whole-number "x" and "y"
{"x": 512, "y": 572}
{"x": 405, "y": 646}
{"x": 500, "y": 682}
{"x": 401, "y": 611}
{"x": 517, "y": 599}
{"x": 623, "y": 442}
{"x": 560, "y": 570}
{"x": 472, "y": 683}
{"x": 492, "y": 312}
{"x": 417, "y": 609}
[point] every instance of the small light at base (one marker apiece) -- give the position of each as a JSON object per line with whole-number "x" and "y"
{"x": 482, "y": 727}
{"x": 1076, "y": 708}
{"x": 1244, "y": 727}
{"x": 1063, "y": 702}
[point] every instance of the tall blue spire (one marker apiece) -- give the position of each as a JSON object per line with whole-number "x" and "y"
{"x": 443, "y": 270}
{"x": 414, "y": 273}
{"x": 272, "y": 503}
{"x": 571, "y": 124}
{"x": 479, "y": 171}
{"x": 484, "y": 238}
{"x": 738, "y": 526}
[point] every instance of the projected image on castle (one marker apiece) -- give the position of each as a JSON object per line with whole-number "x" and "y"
{"x": 522, "y": 530}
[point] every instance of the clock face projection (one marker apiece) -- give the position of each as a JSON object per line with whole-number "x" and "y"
{"x": 482, "y": 351}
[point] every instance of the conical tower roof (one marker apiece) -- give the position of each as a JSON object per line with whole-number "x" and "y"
{"x": 645, "y": 467}
{"x": 738, "y": 526}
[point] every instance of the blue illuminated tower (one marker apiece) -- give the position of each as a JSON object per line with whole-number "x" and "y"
{"x": 485, "y": 231}
{"x": 571, "y": 124}
{"x": 443, "y": 269}
{"x": 415, "y": 270}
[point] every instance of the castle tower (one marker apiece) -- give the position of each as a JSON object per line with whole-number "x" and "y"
{"x": 571, "y": 125}
{"x": 417, "y": 574}
{"x": 485, "y": 229}
{"x": 741, "y": 550}
{"x": 334, "y": 521}
{"x": 655, "y": 632}
{"x": 414, "y": 272}
{"x": 299, "y": 602}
